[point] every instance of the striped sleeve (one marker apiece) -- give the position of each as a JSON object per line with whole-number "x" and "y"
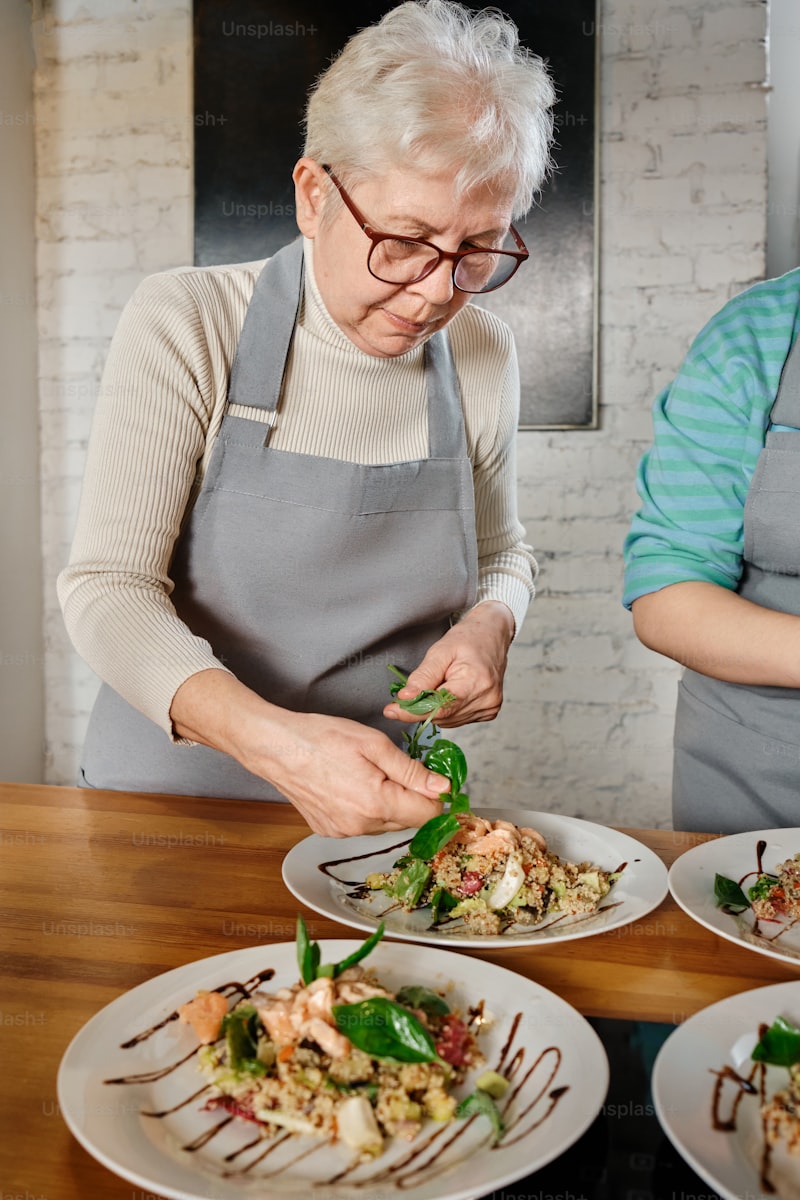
{"x": 709, "y": 427}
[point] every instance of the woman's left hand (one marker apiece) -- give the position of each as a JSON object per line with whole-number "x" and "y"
{"x": 470, "y": 661}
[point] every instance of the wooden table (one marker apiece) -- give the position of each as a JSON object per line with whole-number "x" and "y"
{"x": 103, "y": 890}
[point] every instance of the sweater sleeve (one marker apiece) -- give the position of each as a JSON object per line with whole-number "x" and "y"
{"x": 709, "y": 427}
{"x": 156, "y": 403}
{"x": 487, "y": 366}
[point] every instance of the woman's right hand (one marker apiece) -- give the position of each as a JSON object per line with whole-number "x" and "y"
{"x": 343, "y": 777}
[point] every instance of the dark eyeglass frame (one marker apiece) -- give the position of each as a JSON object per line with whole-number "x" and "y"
{"x": 454, "y": 256}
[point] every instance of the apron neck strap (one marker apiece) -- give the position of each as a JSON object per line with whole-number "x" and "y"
{"x": 786, "y": 409}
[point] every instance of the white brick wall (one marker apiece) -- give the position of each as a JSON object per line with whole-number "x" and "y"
{"x": 587, "y": 724}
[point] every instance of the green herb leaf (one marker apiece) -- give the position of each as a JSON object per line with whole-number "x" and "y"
{"x": 762, "y": 887}
{"x": 241, "y": 1027}
{"x": 480, "y": 1103}
{"x": 384, "y": 1029}
{"x": 416, "y": 996}
{"x": 433, "y": 835}
{"x": 780, "y": 1045}
{"x": 308, "y": 953}
{"x": 728, "y": 893}
{"x": 411, "y": 883}
{"x": 425, "y": 702}
{"x": 362, "y": 952}
{"x": 459, "y": 803}
{"x": 446, "y": 758}
{"x": 442, "y": 902}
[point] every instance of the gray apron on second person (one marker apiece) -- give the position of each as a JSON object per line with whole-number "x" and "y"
{"x": 737, "y": 747}
{"x": 306, "y": 575}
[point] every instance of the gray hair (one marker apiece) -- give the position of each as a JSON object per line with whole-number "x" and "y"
{"x": 436, "y": 85}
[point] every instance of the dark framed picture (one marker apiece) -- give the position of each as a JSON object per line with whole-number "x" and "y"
{"x": 254, "y": 63}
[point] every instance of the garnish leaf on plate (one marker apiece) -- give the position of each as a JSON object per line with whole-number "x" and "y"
{"x": 309, "y": 954}
{"x": 780, "y": 1045}
{"x": 728, "y": 893}
{"x": 384, "y": 1029}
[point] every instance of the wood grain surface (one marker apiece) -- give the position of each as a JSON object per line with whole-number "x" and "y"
{"x": 103, "y": 890}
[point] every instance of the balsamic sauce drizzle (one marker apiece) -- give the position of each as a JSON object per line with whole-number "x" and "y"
{"x": 425, "y": 1157}
{"x": 757, "y": 932}
{"x": 752, "y": 1084}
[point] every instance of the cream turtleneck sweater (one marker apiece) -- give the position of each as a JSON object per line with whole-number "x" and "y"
{"x": 159, "y": 410}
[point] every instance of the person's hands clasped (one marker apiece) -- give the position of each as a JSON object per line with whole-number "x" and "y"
{"x": 470, "y": 661}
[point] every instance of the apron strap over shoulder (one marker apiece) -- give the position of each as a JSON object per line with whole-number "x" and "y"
{"x": 786, "y": 408}
{"x": 267, "y": 332}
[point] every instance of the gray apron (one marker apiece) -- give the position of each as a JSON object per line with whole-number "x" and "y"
{"x": 306, "y": 575}
{"x": 737, "y": 747}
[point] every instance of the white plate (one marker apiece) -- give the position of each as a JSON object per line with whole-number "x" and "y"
{"x": 683, "y": 1083}
{"x": 691, "y": 881}
{"x": 641, "y": 889}
{"x": 557, "y": 1063}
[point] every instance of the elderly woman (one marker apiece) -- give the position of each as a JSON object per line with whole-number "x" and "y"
{"x": 302, "y": 471}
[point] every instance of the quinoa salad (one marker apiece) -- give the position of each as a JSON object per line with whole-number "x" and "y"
{"x": 491, "y": 875}
{"x": 777, "y": 896}
{"x": 340, "y": 1057}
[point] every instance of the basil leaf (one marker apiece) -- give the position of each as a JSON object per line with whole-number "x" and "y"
{"x": 416, "y": 996}
{"x": 442, "y": 902}
{"x": 308, "y": 953}
{"x": 762, "y": 887}
{"x": 384, "y": 1029}
{"x": 426, "y": 702}
{"x": 727, "y": 892}
{"x": 780, "y": 1045}
{"x": 433, "y": 835}
{"x": 446, "y": 758}
{"x": 411, "y": 883}
{"x": 241, "y": 1036}
{"x": 481, "y": 1104}
{"x": 362, "y": 951}
{"x": 459, "y": 802}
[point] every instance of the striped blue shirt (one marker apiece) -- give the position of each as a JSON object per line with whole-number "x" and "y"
{"x": 709, "y": 428}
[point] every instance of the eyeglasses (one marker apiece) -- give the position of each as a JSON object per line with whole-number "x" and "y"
{"x": 408, "y": 259}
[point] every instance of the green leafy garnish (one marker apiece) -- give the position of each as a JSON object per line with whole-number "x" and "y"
{"x": 309, "y": 954}
{"x": 384, "y": 1029}
{"x": 241, "y": 1028}
{"x": 411, "y": 883}
{"x": 417, "y": 996}
{"x": 780, "y": 1045}
{"x": 762, "y": 887}
{"x": 727, "y": 893}
{"x": 480, "y": 1103}
{"x": 431, "y": 837}
{"x": 426, "y": 703}
{"x": 442, "y": 902}
{"x": 446, "y": 758}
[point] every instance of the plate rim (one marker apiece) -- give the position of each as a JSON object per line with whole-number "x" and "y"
{"x": 447, "y": 964}
{"x": 495, "y": 941}
{"x": 684, "y": 863}
{"x": 709, "y": 1016}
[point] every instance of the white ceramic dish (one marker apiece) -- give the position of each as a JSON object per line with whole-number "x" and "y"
{"x": 142, "y": 1129}
{"x": 324, "y": 873}
{"x": 691, "y": 881}
{"x": 685, "y": 1075}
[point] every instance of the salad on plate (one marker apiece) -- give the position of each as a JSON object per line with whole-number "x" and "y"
{"x": 340, "y": 1057}
{"x": 490, "y": 874}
